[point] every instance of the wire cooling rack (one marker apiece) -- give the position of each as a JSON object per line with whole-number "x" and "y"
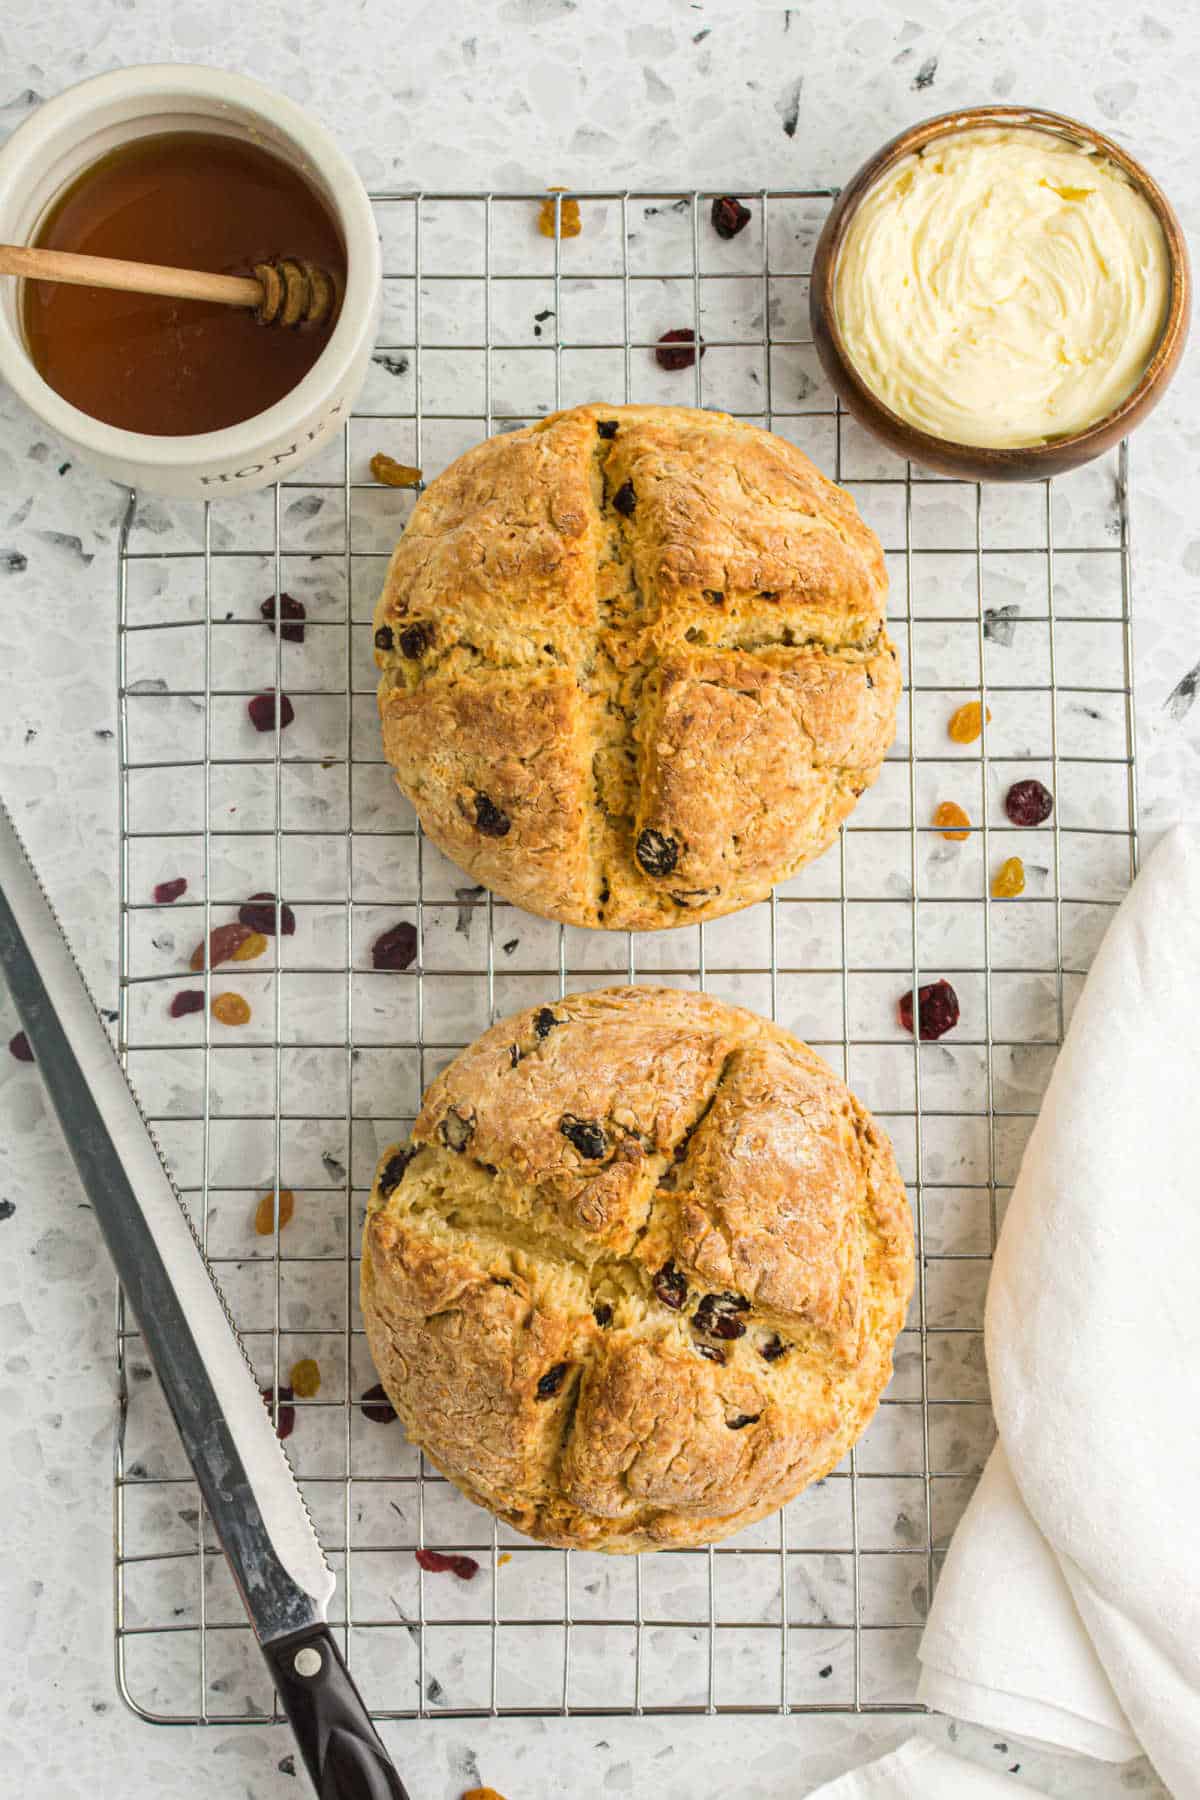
{"x": 1015, "y": 596}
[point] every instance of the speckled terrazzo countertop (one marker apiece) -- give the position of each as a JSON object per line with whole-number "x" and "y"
{"x": 518, "y": 94}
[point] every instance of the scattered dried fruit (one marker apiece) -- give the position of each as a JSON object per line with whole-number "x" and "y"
{"x": 231, "y": 1009}
{"x": 625, "y": 500}
{"x": 717, "y": 1316}
{"x": 544, "y": 1021}
{"x": 168, "y": 891}
{"x": 671, "y": 1286}
{"x": 306, "y": 1378}
{"x": 741, "y": 1420}
{"x": 250, "y": 947}
{"x": 1028, "y": 803}
{"x": 376, "y": 1406}
{"x": 187, "y": 1000}
{"x": 224, "y": 941}
{"x": 385, "y": 468}
{"x": 729, "y": 216}
{"x": 383, "y": 638}
{"x": 264, "y": 1213}
{"x": 19, "y": 1045}
{"x": 710, "y": 1352}
{"x": 1009, "y": 879}
{"x": 490, "y": 819}
{"x": 505, "y": 1556}
{"x": 487, "y": 1793}
{"x": 395, "y": 948}
{"x": 291, "y": 612}
{"x": 602, "y": 1312}
{"x": 285, "y": 1420}
{"x": 559, "y": 218}
{"x": 587, "y": 1135}
{"x": 258, "y": 914}
{"x": 677, "y": 349}
{"x": 952, "y": 821}
{"x": 262, "y": 712}
{"x": 657, "y": 853}
{"x": 454, "y": 1562}
{"x": 607, "y": 428}
{"x": 937, "y": 1008}
{"x": 552, "y": 1381}
{"x": 966, "y": 723}
{"x": 392, "y": 1173}
{"x": 773, "y": 1349}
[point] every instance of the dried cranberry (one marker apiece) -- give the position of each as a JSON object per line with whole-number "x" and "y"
{"x": 393, "y": 1169}
{"x": 453, "y": 1562}
{"x": 167, "y": 891}
{"x": 187, "y": 1000}
{"x": 682, "y": 356}
{"x": 288, "y": 609}
{"x": 544, "y": 1021}
{"x": 625, "y": 500}
{"x": 602, "y": 1312}
{"x": 587, "y": 1136}
{"x": 396, "y": 948}
{"x": 671, "y": 1286}
{"x": 383, "y": 638}
{"x": 19, "y": 1045}
{"x": 1028, "y": 803}
{"x": 773, "y": 1349}
{"x": 729, "y": 216}
{"x": 717, "y": 1316}
{"x": 259, "y": 914}
{"x": 415, "y": 640}
{"x": 223, "y": 943}
{"x": 490, "y": 819}
{"x": 552, "y": 1381}
{"x": 657, "y": 853}
{"x": 285, "y": 1419}
{"x": 607, "y": 428}
{"x": 741, "y": 1420}
{"x": 262, "y": 712}
{"x": 376, "y": 1406}
{"x": 937, "y": 1006}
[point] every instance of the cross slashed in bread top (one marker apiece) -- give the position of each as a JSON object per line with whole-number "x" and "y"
{"x": 633, "y": 663}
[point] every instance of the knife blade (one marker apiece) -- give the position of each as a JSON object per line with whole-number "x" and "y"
{"x": 256, "y": 1508}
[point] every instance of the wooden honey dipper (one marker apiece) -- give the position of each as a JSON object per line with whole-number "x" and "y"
{"x": 288, "y": 291}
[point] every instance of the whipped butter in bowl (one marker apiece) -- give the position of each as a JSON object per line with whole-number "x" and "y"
{"x": 1000, "y": 294}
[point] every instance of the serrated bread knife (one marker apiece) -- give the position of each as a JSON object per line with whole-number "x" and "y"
{"x": 255, "y": 1506}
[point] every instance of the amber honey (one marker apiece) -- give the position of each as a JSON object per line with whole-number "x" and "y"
{"x": 173, "y": 367}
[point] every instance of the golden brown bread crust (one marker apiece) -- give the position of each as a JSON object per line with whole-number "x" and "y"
{"x": 536, "y": 1263}
{"x": 633, "y": 679}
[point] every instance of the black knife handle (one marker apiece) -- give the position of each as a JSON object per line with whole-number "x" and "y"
{"x": 345, "y": 1756}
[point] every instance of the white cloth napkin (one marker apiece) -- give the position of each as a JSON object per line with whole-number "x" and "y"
{"x": 1069, "y": 1607}
{"x": 919, "y": 1771}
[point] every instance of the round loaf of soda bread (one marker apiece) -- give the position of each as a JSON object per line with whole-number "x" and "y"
{"x": 633, "y": 664}
{"x": 636, "y": 1278}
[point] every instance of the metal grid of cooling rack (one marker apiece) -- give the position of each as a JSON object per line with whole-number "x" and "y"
{"x": 1018, "y": 597}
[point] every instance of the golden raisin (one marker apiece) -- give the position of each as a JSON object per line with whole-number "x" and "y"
{"x": 230, "y": 1009}
{"x": 250, "y": 947}
{"x": 482, "y": 1794}
{"x": 967, "y": 723}
{"x": 569, "y": 222}
{"x": 264, "y": 1217}
{"x": 953, "y": 821}
{"x": 1009, "y": 879}
{"x": 305, "y": 1378}
{"x": 392, "y": 473}
{"x": 505, "y": 1556}
{"x": 224, "y": 942}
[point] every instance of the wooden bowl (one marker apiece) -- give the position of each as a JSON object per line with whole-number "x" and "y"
{"x": 973, "y": 462}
